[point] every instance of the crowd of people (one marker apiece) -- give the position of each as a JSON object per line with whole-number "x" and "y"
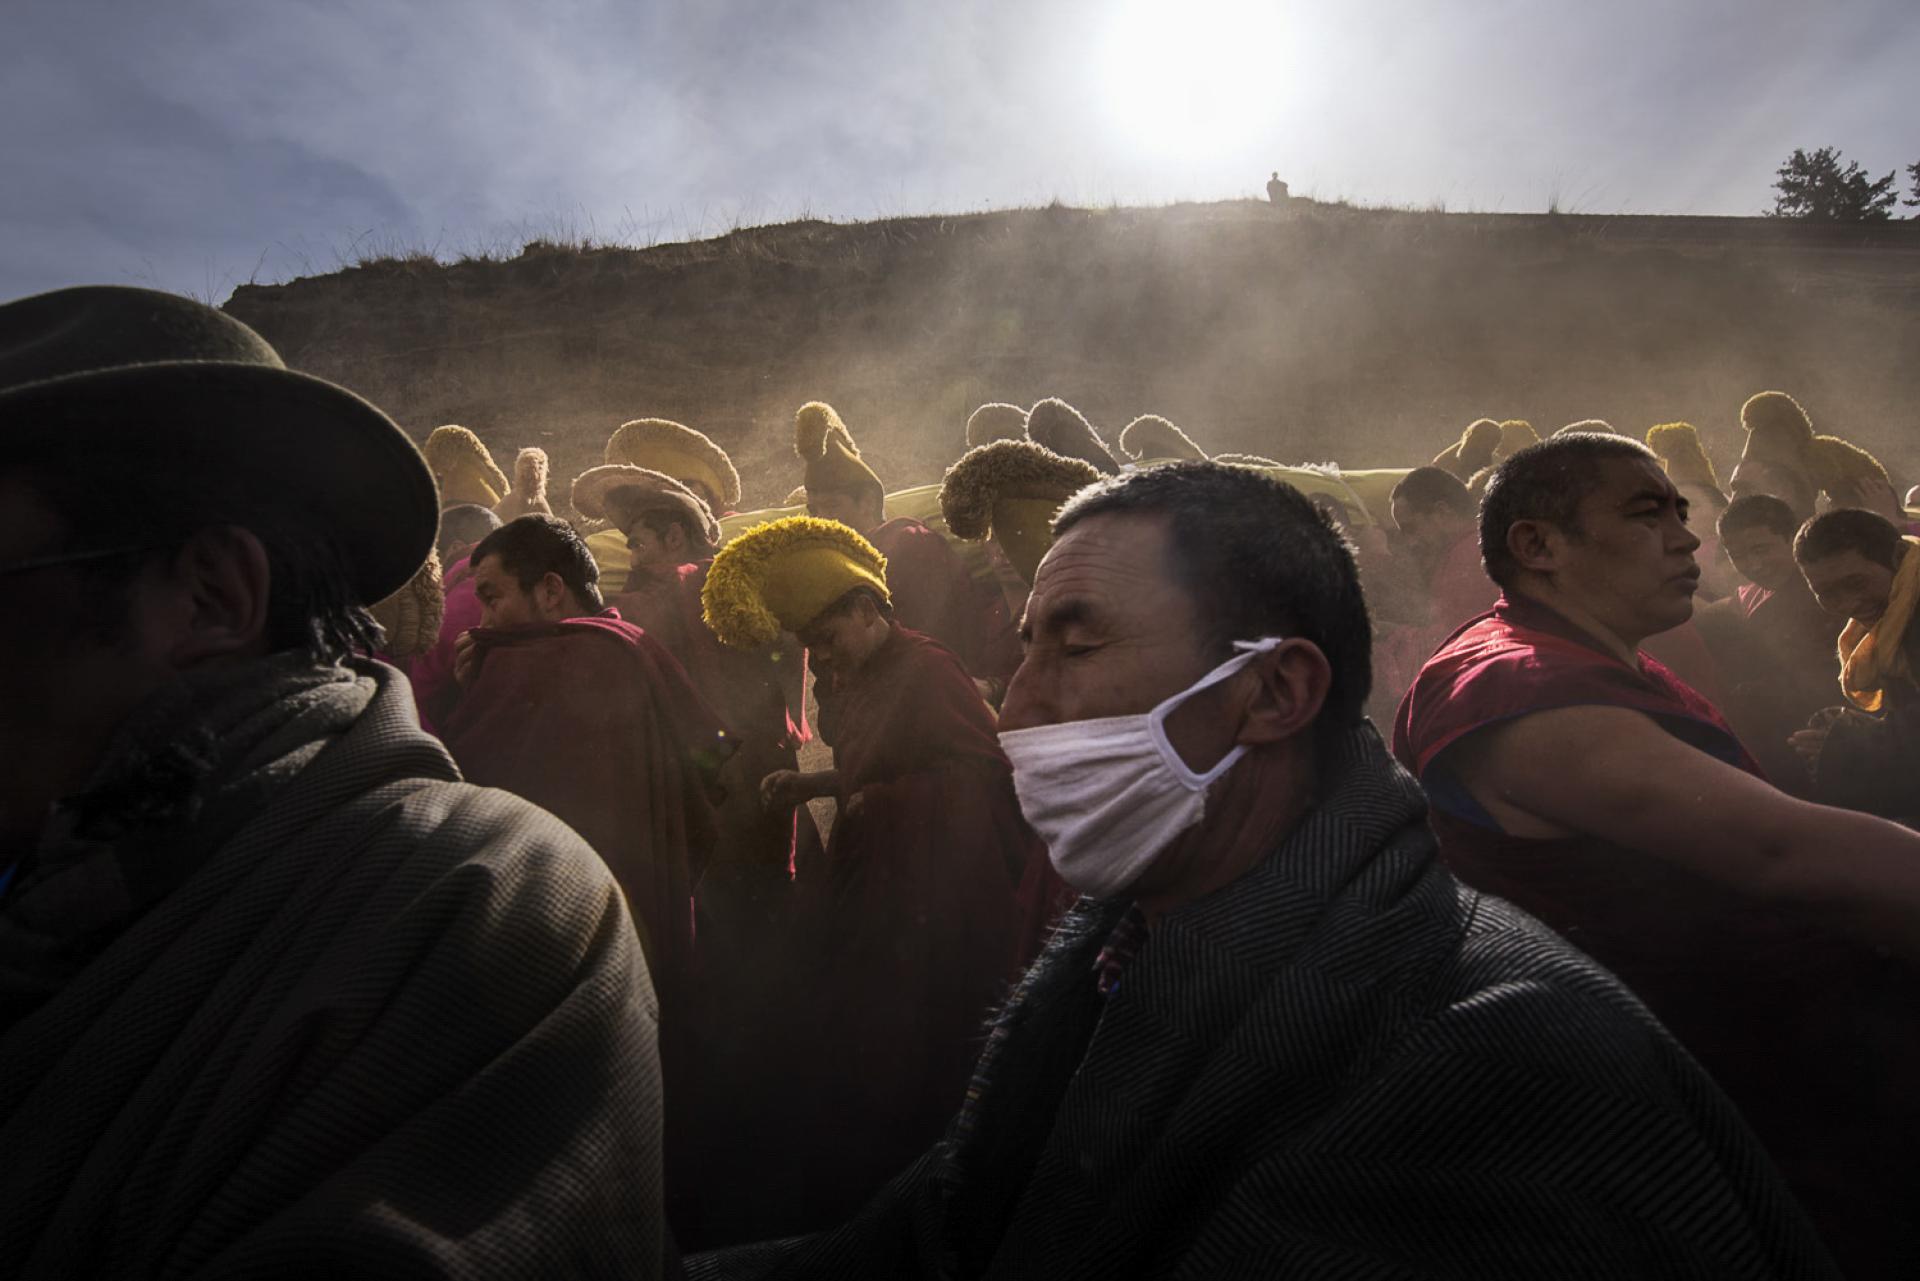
{"x": 405, "y": 870}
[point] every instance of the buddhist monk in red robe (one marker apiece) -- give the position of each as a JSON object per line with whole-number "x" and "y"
{"x": 1579, "y": 778}
{"x": 932, "y": 591}
{"x": 564, "y": 703}
{"x": 911, "y": 929}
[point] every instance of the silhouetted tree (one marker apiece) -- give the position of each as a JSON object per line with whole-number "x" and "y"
{"x": 1815, "y": 186}
{"x": 1913, "y": 172}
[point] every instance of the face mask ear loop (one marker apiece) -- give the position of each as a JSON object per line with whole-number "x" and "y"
{"x": 1157, "y": 718}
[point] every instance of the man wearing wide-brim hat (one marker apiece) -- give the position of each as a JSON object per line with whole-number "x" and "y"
{"x": 909, "y": 928}
{"x": 278, "y": 992}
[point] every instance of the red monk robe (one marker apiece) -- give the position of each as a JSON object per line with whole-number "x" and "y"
{"x": 935, "y": 595}
{"x": 594, "y": 721}
{"x": 757, "y": 695}
{"x": 1811, "y": 1035}
{"x": 916, "y": 919}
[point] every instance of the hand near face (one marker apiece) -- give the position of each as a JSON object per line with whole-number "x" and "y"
{"x": 464, "y": 652}
{"x": 1809, "y": 742}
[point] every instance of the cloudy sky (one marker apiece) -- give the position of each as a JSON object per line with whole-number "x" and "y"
{"x": 198, "y": 143}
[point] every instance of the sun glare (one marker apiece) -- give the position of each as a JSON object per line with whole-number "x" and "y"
{"x": 1194, "y": 78}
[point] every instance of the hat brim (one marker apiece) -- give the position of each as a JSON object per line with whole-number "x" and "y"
{"x": 320, "y": 454}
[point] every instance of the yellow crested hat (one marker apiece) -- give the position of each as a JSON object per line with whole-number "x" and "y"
{"x": 1679, "y": 448}
{"x": 1065, "y": 430}
{"x": 783, "y": 575}
{"x": 834, "y": 466}
{"x": 675, "y": 450}
{"x": 464, "y": 470}
{"x": 1151, "y": 436}
{"x": 995, "y": 421}
{"x": 1515, "y": 435}
{"x": 1009, "y": 491}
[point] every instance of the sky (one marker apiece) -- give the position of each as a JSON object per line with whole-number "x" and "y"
{"x": 199, "y": 144}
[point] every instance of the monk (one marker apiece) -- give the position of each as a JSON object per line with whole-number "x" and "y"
{"x": 280, "y": 995}
{"x": 1581, "y": 779}
{"x": 563, "y": 702}
{"x": 1863, "y": 571}
{"x": 1771, "y": 639}
{"x": 932, "y": 591}
{"x": 912, "y": 926}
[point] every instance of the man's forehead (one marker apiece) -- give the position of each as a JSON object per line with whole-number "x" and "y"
{"x": 1624, "y": 478}
{"x": 28, "y": 522}
{"x": 1107, "y": 565}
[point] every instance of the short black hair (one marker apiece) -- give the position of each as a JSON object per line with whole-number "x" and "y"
{"x": 1258, "y": 559}
{"x": 464, "y": 524}
{"x": 1759, "y": 511}
{"x": 535, "y": 545}
{"x": 1425, "y": 488}
{"x": 1849, "y": 529}
{"x": 1546, "y": 482}
{"x": 156, "y": 503}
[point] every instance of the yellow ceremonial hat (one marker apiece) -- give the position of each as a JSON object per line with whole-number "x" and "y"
{"x": 995, "y": 421}
{"x": 783, "y": 575}
{"x": 675, "y": 450}
{"x": 1065, "y": 430}
{"x": 1679, "y": 448}
{"x": 464, "y": 470}
{"x": 834, "y": 466}
{"x": 1152, "y": 437}
{"x": 1010, "y": 491}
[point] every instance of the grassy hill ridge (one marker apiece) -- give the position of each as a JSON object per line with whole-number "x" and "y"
{"x": 1319, "y": 332}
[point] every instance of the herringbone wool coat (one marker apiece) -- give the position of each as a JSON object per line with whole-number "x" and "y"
{"x": 394, "y": 1026}
{"x": 1344, "y": 1064}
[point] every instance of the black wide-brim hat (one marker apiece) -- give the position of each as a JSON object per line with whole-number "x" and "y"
{"x": 128, "y": 374}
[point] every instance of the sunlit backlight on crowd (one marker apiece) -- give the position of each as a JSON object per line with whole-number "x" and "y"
{"x": 1193, "y": 78}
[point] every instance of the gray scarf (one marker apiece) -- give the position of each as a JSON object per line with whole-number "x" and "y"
{"x": 187, "y": 770}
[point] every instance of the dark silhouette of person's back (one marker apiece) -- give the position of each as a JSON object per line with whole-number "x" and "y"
{"x": 1276, "y": 190}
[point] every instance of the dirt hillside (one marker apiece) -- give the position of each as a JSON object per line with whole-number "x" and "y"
{"x": 1367, "y": 337}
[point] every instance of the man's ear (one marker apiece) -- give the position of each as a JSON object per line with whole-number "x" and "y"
{"x": 1534, "y": 545}
{"x": 222, "y": 583}
{"x": 1292, "y": 683}
{"x": 549, "y": 592}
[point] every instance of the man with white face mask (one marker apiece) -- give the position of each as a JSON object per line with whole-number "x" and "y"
{"x": 1277, "y": 1038}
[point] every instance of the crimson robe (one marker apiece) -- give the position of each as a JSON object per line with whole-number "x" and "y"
{"x": 1812, "y": 1035}
{"x": 935, "y": 595}
{"x": 594, "y": 721}
{"x": 910, "y": 932}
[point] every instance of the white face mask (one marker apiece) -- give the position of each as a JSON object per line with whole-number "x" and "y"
{"x": 1108, "y": 795}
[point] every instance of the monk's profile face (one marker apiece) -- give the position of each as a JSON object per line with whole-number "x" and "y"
{"x": 1628, "y": 560}
{"x": 648, "y": 553}
{"x": 1762, "y": 557}
{"x": 1848, "y": 585}
{"x": 840, "y": 642}
{"x": 1109, "y": 631}
{"x": 504, "y": 603}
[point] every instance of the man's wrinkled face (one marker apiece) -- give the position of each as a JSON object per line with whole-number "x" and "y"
{"x": 851, "y": 510}
{"x": 1109, "y": 631}
{"x": 1848, "y": 585}
{"x": 1630, "y": 560}
{"x": 503, "y": 602}
{"x": 1763, "y": 557}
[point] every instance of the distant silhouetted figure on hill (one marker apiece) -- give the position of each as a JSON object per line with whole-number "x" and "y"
{"x": 1276, "y": 190}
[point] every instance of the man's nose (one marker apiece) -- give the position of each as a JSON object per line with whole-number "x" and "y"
{"x": 1026, "y": 704}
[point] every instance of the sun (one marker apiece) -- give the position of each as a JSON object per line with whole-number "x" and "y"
{"x": 1195, "y": 78}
